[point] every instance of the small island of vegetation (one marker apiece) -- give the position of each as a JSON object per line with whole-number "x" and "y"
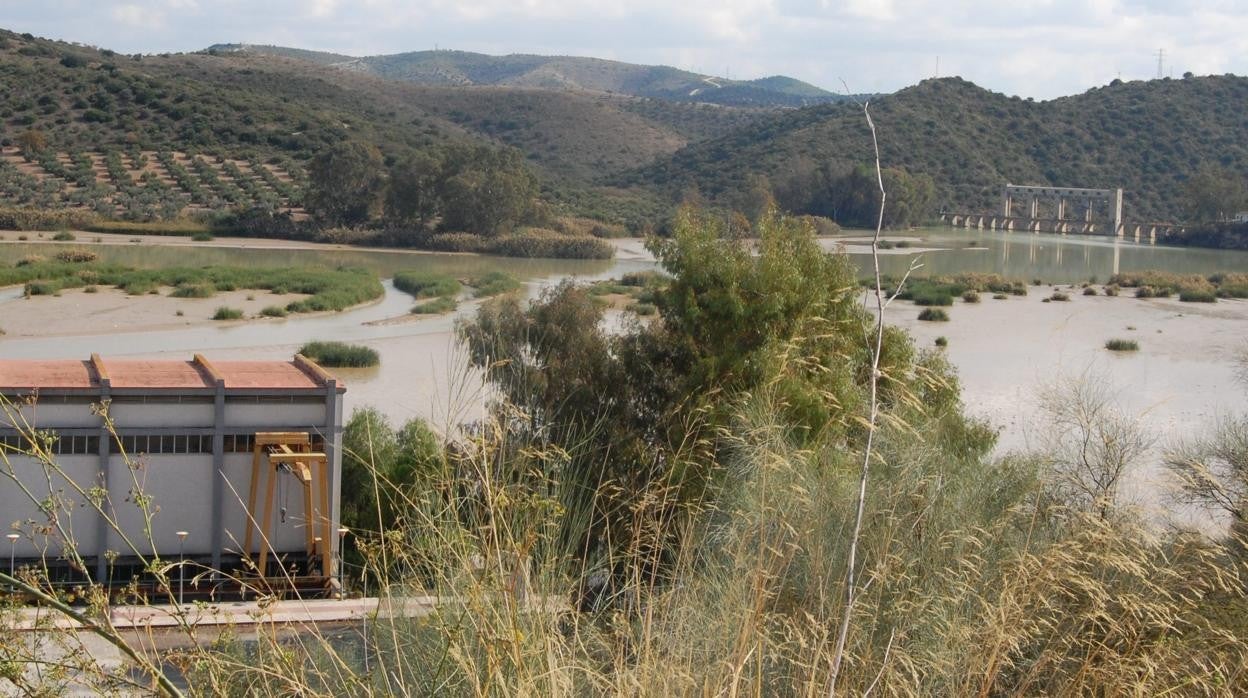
{"x": 341, "y": 354}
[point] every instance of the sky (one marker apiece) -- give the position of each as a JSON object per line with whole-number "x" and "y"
{"x": 1031, "y": 48}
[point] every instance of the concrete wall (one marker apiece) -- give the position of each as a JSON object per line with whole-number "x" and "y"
{"x": 302, "y": 415}
{"x": 64, "y": 415}
{"x": 75, "y": 514}
{"x": 128, "y": 415}
{"x": 287, "y": 536}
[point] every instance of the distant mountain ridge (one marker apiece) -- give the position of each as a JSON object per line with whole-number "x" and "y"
{"x": 464, "y": 68}
{"x": 1147, "y": 137}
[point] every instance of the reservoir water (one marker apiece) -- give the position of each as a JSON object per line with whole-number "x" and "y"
{"x": 1005, "y": 351}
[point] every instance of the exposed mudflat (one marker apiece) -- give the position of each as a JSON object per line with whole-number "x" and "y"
{"x": 76, "y": 312}
{"x": 1181, "y": 380}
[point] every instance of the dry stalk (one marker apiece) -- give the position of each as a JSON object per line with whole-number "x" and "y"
{"x": 851, "y": 562}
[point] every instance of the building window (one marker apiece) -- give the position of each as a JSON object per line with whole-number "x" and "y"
{"x": 165, "y": 444}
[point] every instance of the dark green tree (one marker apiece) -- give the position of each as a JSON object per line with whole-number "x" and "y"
{"x": 381, "y": 467}
{"x": 1214, "y": 194}
{"x": 346, "y": 183}
{"x": 640, "y": 410}
{"x": 486, "y": 190}
{"x": 414, "y": 194}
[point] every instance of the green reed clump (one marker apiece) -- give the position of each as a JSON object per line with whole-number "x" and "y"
{"x": 426, "y": 284}
{"x": 1059, "y": 296}
{"x": 77, "y": 256}
{"x": 326, "y": 289}
{"x": 227, "y": 313}
{"x": 437, "y": 306}
{"x": 194, "y": 290}
{"x": 540, "y": 242}
{"x": 273, "y": 311}
{"x": 934, "y": 315}
{"x": 341, "y": 354}
{"x": 1122, "y": 345}
{"x": 1198, "y": 296}
{"x": 493, "y": 283}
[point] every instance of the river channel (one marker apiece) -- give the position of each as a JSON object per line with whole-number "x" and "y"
{"x": 1005, "y": 351}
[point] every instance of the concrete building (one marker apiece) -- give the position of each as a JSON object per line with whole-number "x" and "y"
{"x": 213, "y": 446}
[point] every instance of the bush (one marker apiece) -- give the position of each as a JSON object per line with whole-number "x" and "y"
{"x": 539, "y": 242}
{"x": 42, "y": 288}
{"x": 194, "y": 290}
{"x": 455, "y": 242}
{"x": 437, "y": 306}
{"x": 1059, "y": 296}
{"x": 340, "y": 354}
{"x": 64, "y": 236}
{"x": 224, "y": 313}
{"x": 644, "y": 308}
{"x": 1122, "y": 345}
{"x": 202, "y": 237}
{"x": 426, "y": 284}
{"x": 273, "y": 311}
{"x": 934, "y": 315}
{"x": 1089, "y": 291}
{"x": 1197, "y": 296}
{"x": 942, "y": 341}
{"x": 928, "y": 296}
{"x": 493, "y": 283}
{"x": 999, "y": 297}
{"x": 971, "y": 296}
{"x": 644, "y": 278}
{"x": 1111, "y": 290}
{"x": 76, "y": 256}
{"x": 44, "y": 219}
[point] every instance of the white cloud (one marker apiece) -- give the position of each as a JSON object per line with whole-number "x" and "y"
{"x": 136, "y": 17}
{"x": 1040, "y": 48}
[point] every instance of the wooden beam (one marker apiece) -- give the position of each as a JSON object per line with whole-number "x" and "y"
{"x": 309, "y": 531}
{"x": 266, "y": 524}
{"x": 100, "y": 371}
{"x": 213, "y": 374}
{"x": 275, "y": 438}
{"x": 296, "y": 457}
{"x": 314, "y": 369}
{"x": 327, "y": 543}
{"x": 251, "y": 500}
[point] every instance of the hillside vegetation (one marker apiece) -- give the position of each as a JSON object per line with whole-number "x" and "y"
{"x": 1146, "y": 137}
{"x": 463, "y": 68}
{"x": 596, "y": 149}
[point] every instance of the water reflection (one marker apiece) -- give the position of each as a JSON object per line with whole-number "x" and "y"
{"x": 1053, "y": 258}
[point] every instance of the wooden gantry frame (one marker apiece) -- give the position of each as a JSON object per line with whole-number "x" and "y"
{"x": 272, "y": 450}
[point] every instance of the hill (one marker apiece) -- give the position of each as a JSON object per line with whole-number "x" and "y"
{"x": 1146, "y": 137}
{"x": 282, "y": 109}
{"x": 573, "y": 73}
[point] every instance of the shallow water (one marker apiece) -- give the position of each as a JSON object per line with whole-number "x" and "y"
{"x": 1003, "y": 350}
{"x": 1028, "y": 256}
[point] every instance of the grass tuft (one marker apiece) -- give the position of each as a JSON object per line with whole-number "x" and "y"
{"x": 493, "y": 283}
{"x": 426, "y": 284}
{"x": 437, "y": 306}
{"x": 340, "y": 354}
{"x": 1122, "y": 345}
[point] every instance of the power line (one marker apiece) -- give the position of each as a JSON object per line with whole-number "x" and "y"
{"x": 1161, "y": 55}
